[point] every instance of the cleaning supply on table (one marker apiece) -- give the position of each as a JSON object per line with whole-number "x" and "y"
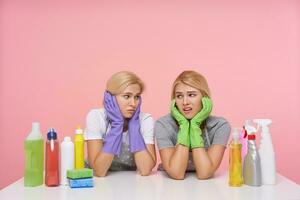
{"x": 81, "y": 183}
{"x": 80, "y": 173}
{"x": 266, "y": 153}
{"x": 252, "y": 166}
{"x": 235, "y": 161}
{"x": 80, "y": 178}
{"x": 66, "y": 159}
{"x": 79, "y": 148}
{"x": 52, "y": 162}
{"x": 34, "y": 157}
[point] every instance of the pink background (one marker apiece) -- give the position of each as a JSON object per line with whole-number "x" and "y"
{"x": 56, "y": 57}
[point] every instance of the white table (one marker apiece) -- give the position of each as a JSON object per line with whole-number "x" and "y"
{"x": 129, "y": 185}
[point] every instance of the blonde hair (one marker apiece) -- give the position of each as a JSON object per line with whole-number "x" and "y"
{"x": 117, "y": 83}
{"x": 193, "y": 79}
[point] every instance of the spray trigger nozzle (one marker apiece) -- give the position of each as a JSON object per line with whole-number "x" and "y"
{"x": 245, "y": 132}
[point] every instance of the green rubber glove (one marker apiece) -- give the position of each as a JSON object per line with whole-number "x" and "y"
{"x": 195, "y": 130}
{"x": 183, "y": 137}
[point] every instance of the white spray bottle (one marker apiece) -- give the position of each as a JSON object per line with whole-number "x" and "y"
{"x": 266, "y": 152}
{"x": 252, "y": 166}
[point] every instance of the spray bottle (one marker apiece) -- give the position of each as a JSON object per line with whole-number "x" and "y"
{"x": 34, "y": 157}
{"x": 52, "y": 155}
{"x": 235, "y": 161}
{"x": 79, "y": 148}
{"x": 252, "y": 167}
{"x": 66, "y": 159}
{"x": 266, "y": 152}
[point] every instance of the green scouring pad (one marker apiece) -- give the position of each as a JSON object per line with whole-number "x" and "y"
{"x": 80, "y": 173}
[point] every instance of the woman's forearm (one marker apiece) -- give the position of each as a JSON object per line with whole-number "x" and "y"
{"x": 203, "y": 163}
{"x": 177, "y": 162}
{"x": 145, "y": 160}
{"x": 102, "y": 163}
{"x": 207, "y": 161}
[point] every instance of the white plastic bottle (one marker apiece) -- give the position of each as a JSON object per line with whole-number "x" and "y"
{"x": 266, "y": 152}
{"x": 66, "y": 159}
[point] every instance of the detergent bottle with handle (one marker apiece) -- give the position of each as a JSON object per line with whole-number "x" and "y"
{"x": 34, "y": 157}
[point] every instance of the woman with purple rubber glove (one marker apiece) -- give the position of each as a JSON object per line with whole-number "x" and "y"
{"x": 119, "y": 136}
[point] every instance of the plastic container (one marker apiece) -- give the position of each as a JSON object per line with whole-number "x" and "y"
{"x": 252, "y": 166}
{"x": 52, "y": 159}
{"x": 34, "y": 157}
{"x": 235, "y": 161}
{"x": 66, "y": 159}
{"x": 266, "y": 153}
{"x": 79, "y": 148}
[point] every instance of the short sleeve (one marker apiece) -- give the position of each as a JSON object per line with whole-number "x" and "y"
{"x": 222, "y": 134}
{"x": 95, "y": 125}
{"x": 147, "y": 124}
{"x": 163, "y": 135}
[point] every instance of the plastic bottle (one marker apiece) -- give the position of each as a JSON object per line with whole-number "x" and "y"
{"x": 79, "y": 148}
{"x": 252, "y": 166}
{"x": 235, "y": 161}
{"x": 52, "y": 159}
{"x": 34, "y": 157}
{"x": 266, "y": 153}
{"x": 66, "y": 159}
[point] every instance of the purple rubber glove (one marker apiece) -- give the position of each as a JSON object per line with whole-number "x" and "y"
{"x": 136, "y": 139}
{"x": 113, "y": 139}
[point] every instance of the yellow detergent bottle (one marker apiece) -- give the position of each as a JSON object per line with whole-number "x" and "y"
{"x": 79, "y": 148}
{"x": 235, "y": 161}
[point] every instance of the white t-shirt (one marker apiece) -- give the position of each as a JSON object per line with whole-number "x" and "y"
{"x": 97, "y": 126}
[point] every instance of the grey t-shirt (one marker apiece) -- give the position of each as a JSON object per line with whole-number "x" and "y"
{"x": 216, "y": 131}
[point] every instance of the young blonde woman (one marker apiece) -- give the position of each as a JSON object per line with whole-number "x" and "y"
{"x": 119, "y": 136}
{"x": 189, "y": 138}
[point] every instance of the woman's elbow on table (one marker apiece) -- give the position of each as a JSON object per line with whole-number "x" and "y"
{"x": 176, "y": 176}
{"x": 100, "y": 173}
{"x": 204, "y": 175}
{"x": 144, "y": 172}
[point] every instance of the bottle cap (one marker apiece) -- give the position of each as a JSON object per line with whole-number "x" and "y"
{"x": 67, "y": 139}
{"x": 35, "y": 133}
{"x": 35, "y": 127}
{"x": 235, "y": 135}
{"x": 79, "y": 130}
{"x": 51, "y": 135}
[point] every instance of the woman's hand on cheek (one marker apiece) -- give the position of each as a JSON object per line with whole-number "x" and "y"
{"x": 112, "y": 108}
{"x": 136, "y": 139}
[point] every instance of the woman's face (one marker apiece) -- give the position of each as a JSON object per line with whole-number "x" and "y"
{"x": 188, "y": 100}
{"x": 129, "y": 99}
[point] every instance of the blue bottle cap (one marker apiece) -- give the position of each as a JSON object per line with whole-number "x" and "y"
{"x": 52, "y": 135}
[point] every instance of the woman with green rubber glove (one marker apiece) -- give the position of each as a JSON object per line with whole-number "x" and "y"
{"x": 189, "y": 138}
